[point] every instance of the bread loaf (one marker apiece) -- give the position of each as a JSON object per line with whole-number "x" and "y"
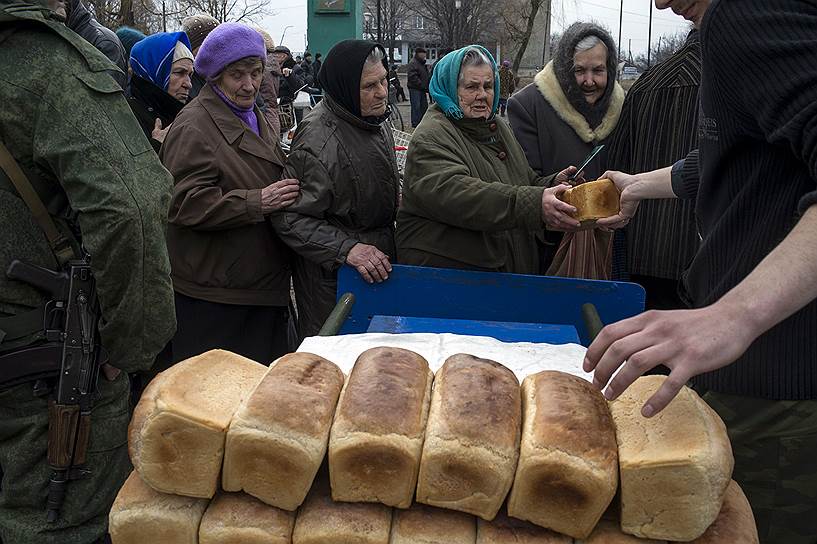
{"x": 237, "y": 518}
{"x": 593, "y": 200}
{"x": 176, "y": 436}
{"x": 735, "y": 522}
{"x": 277, "y": 439}
{"x": 567, "y": 473}
{"x": 422, "y": 524}
{"x": 140, "y": 514}
{"x": 377, "y": 436}
{"x": 323, "y": 521}
{"x": 472, "y": 437}
{"x": 675, "y": 467}
{"x": 609, "y": 532}
{"x": 506, "y": 530}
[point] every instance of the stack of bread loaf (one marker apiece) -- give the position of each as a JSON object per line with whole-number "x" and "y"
{"x": 226, "y": 450}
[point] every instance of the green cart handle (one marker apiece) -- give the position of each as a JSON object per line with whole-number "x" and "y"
{"x": 340, "y": 312}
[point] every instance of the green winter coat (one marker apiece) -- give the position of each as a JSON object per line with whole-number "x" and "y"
{"x": 470, "y": 200}
{"x": 68, "y": 125}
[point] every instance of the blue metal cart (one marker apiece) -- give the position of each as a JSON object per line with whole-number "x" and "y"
{"x": 508, "y": 307}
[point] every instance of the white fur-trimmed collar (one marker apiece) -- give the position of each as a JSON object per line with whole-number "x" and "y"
{"x": 548, "y": 85}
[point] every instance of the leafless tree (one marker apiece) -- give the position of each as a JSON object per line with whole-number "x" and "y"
{"x": 460, "y": 22}
{"x": 394, "y": 20}
{"x": 518, "y": 18}
{"x": 664, "y": 48}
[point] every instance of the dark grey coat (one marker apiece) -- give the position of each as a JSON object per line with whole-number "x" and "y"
{"x": 555, "y": 135}
{"x": 349, "y": 195}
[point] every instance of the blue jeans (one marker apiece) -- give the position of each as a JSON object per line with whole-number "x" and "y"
{"x": 419, "y": 105}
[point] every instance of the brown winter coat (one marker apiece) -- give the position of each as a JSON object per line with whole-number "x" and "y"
{"x": 269, "y": 93}
{"x": 222, "y": 249}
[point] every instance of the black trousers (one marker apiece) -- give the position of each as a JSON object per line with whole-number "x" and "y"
{"x": 259, "y": 333}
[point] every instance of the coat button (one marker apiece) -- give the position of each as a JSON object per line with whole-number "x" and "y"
{"x": 502, "y": 155}
{"x": 492, "y": 126}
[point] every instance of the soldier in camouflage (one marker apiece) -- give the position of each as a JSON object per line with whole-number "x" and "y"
{"x": 68, "y": 125}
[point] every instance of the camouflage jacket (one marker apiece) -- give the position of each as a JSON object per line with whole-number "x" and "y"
{"x": 507, "y": 82}
{"x": 68, "y": 125}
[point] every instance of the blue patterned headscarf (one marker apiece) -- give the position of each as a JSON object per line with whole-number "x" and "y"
{"x": 444, "y": 82}
{"x": 152, "y": 57}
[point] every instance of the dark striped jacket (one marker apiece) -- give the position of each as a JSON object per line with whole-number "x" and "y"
{"x": 756, "y": 173}
{"x": 659, "y": 126}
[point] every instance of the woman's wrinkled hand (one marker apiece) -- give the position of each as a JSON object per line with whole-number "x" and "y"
{"x": 370, "y": 262}
{"x": 158, "y": 133}
{"x": 557, "y": 215}
{"x": 280, "y": 194}
{"x": 564, "y": 176}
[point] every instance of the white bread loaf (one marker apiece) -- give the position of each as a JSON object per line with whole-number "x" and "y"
{"x": 140, "y": 515}
{"x": 277, "y": 439}
{"x": 321, "y": 520}
{"x": 609, "y": 532}
{"x": 176, "y": 436}
{"x": 675, "y": 467}
{"x": 567, "y": 473}
{"x": 377, "y": 435}
{"x": 237, "y": 518}
{"x": 472, "y": 437}
{"x": 735, "y": 523}
{"x": 507, "y": 530}
{"x": 422, "y": 524}
{"x": 593, "y": 200}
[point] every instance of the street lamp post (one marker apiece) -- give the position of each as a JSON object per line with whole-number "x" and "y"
{"x": 620, "y": 23}
{"x": 284, "y": 34}
{"x": 649, "y": 39}
{"x": 457, "y": 26}
{"x": 379, "y": 31}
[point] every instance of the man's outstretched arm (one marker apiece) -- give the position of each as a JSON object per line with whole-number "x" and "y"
{"x": 691, "y": 342}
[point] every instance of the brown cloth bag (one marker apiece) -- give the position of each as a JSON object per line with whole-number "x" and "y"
{"x": 585, "y": 254}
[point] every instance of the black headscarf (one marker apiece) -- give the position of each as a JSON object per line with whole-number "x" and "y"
{"x": 341, "y": 70}
{"x": 563, "y": 66}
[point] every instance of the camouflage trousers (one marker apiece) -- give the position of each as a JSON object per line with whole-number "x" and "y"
{"x": 25, "y": 471}
{"x": 775, "y": 447}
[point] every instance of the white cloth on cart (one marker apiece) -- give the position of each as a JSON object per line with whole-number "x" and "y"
{"x": 523, "y": 358}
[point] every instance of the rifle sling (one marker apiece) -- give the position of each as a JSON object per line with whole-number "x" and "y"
{"x": 30, "y": 364}
{"x": 59, "y": 244}
{"x": 21, "y": 325}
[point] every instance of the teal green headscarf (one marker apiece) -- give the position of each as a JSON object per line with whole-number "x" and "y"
{"x": 443, "y": 86}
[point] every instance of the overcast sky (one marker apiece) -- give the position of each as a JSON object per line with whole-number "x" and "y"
{"x": 292, "y": 13}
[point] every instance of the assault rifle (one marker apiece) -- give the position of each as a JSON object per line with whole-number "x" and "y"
{"x": 74, "y": 312}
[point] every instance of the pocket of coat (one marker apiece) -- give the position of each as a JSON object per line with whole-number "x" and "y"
{"x": 115, "y": 107}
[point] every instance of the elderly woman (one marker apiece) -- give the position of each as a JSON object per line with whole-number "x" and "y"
{"x": 343, "y": 154}
{"x": 162, "y": 65}
{"x": 470, "y": 200}
{"x": 230, "y": 272}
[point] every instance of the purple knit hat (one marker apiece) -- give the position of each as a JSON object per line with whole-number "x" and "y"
{"x": 227, "y": 43}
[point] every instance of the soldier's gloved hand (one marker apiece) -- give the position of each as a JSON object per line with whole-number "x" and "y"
{"x": 279, "y": 195}
{"x": 370, "y": 262}
{"x": 557, "y": 215}
{"x": 158, "y": 133}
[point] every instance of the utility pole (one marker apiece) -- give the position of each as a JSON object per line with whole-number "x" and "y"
{"x": 649, "y": 39}
{"x": 620, "y": 24}
{"x": 546, "y": 45}
{"x": 164, "y": 17}
{"x": 379, "y": 30}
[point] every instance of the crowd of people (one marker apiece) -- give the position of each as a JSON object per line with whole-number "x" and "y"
{"x": 160, "y": 155}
